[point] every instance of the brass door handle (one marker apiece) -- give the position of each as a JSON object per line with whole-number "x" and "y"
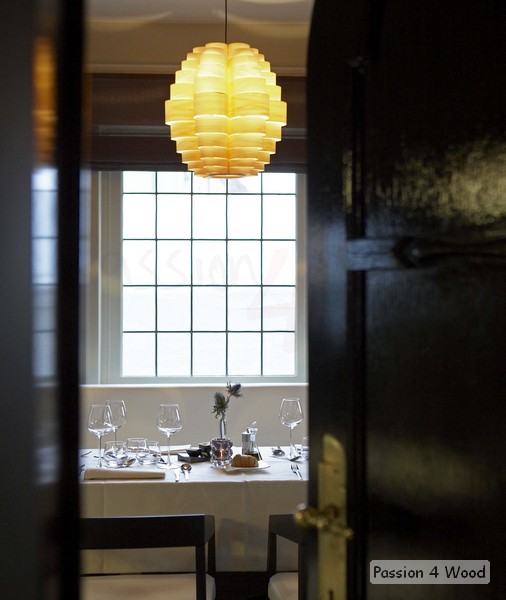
{"x": 327, "y": 519}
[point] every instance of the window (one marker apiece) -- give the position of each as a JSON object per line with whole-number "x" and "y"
{"x": 200, "y": 278}
{"x": 44, "y": 271}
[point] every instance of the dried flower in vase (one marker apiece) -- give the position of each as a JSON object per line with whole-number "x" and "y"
{"x": 221, "y": 402}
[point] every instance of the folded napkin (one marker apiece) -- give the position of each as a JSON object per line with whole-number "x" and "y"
{"x": 126, "y": 473}
{"x": 177, "y": 449}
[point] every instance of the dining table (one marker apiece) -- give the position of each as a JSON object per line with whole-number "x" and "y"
{"x": 241, "y": 500}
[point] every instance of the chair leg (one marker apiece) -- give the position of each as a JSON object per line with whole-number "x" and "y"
{"x": 271, "y": 553}
{"x": 200, "y": 568}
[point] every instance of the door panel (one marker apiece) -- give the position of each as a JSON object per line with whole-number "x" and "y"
{"x": 407, "y": 277}
{"x": 434, "y": 381}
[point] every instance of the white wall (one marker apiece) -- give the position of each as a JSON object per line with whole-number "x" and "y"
{"x": 259, "y": 403}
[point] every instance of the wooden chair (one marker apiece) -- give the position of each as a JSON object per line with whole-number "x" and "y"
{"x": 285, "y": 585}
{"x": 171, "y": 531}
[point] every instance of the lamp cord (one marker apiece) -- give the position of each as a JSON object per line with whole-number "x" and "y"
{"x": 226, "y": 21}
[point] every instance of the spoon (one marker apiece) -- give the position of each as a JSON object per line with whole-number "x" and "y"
{"x": 278, "y": 453}
{"x": 127, "y": 463}
{"x": 186, "y": 468}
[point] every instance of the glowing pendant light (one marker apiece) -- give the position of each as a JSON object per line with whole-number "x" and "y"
{"x": 225, "y": 111}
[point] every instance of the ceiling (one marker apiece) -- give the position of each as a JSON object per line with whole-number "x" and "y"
{"x": 154, "y": 36}
{"x": 201, "y": 11}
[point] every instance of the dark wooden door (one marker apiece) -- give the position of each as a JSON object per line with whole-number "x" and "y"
{"x": 407, "y": 280}
{"x": 40, "y": 146}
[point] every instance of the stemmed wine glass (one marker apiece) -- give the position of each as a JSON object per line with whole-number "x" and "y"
{"x": 169, "y": 422}
{"x": 99, "y": 423}
{"x": 290, "y": 415}
{"x": 118, "y": 415}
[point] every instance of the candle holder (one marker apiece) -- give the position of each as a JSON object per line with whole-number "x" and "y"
{"x": 221, "y": 452}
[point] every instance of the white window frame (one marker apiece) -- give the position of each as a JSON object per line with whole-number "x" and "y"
{"x": 103, "y": 293}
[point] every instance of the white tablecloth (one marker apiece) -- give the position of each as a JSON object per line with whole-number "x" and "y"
{"x": 241, "y": 502}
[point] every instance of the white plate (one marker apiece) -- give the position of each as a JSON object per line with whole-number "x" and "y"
{"x": 261, "y": 465}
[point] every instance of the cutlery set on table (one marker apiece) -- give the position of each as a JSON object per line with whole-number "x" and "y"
{"x": 296, "y": 470}
{"x": 185, "y": 469}
{"x": 278, "y": 452}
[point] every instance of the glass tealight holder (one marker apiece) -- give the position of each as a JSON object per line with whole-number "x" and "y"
{"x": 221, "y": 452}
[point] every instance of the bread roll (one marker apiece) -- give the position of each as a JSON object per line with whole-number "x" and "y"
{"x": 244, "y": 460}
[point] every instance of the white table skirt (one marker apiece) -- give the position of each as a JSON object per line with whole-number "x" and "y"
{"x": 241, "y": 502}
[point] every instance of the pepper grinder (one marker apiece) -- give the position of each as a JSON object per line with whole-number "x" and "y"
{"x": 253, "y": 449}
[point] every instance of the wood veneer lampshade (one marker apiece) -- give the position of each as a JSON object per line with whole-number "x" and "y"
{"x": 225, "y": 111}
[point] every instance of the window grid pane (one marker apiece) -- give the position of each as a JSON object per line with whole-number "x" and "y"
{"x": 222, "y": 283}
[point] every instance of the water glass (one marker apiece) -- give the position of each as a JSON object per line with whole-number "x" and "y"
{"x": 153, "y": 455}
{"x": 115, "y": 454}
{"x": 221, "y": 452}
{"x": 137, "y": 448}
{"x": 305, "y": 448}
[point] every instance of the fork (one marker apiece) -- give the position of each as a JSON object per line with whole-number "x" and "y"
{"x": 296, "y": 471}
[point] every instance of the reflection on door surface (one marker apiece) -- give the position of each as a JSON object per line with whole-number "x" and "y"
{"x": 407, "y": 302}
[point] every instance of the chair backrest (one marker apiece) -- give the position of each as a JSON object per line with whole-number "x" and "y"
{"x": 164, "y": 531}
{"x": 284, "y": 526}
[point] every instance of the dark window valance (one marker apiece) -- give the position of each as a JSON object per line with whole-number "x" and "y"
{"x": 127, "y": 129}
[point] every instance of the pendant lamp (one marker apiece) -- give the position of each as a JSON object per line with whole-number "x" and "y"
{"x": 225, "y": 111}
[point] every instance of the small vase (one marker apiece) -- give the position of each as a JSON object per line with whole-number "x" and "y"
{"x": 223, "y": 427}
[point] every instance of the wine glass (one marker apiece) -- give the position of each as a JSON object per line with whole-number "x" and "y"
{"x": 99, "y": 423}
{"x": 290, "y": 415}
{"x": 118, "y": 415}
{"x": 169, "y": 422}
